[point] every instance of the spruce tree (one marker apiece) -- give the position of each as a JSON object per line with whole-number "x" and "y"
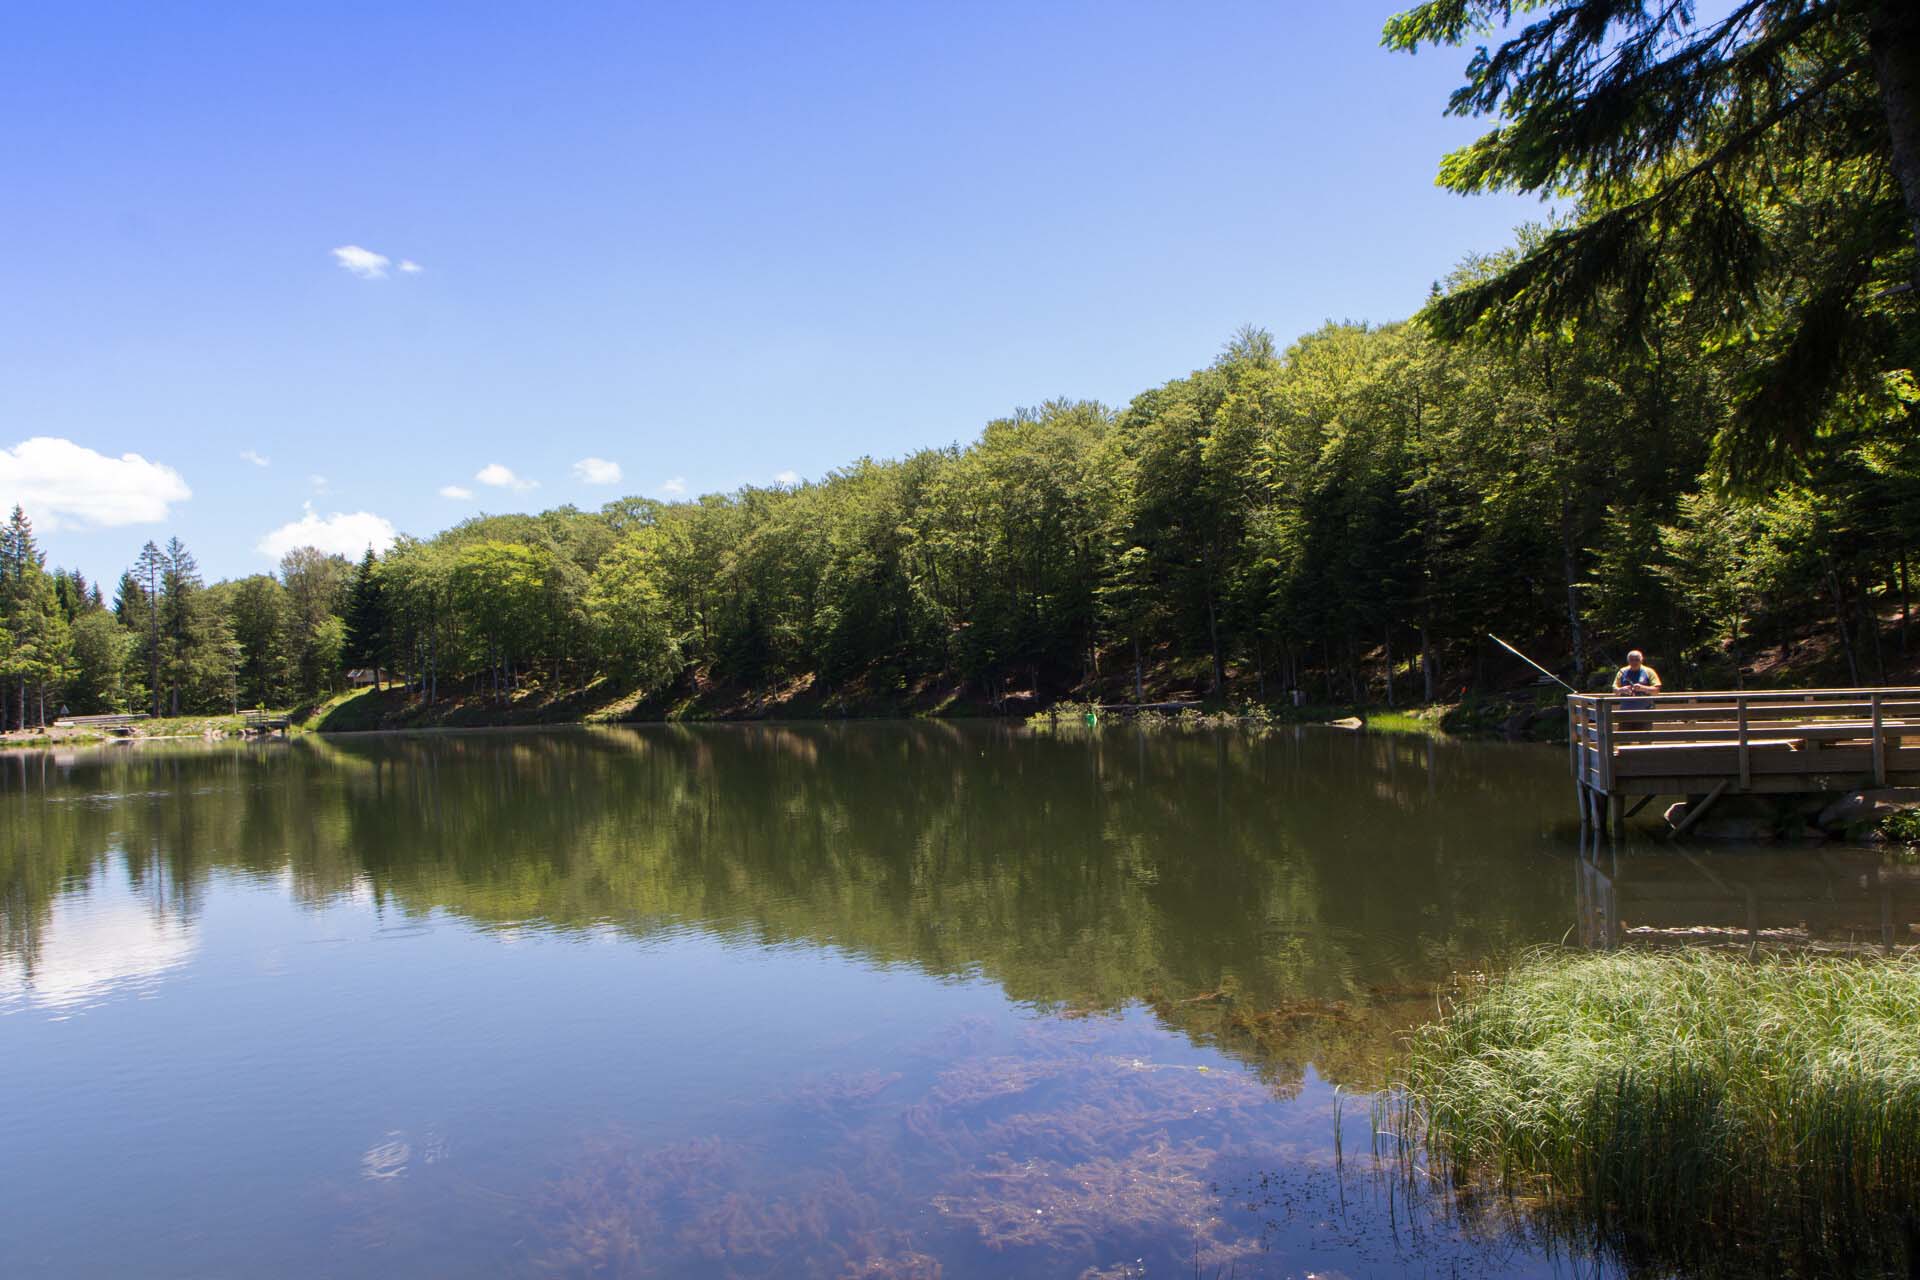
{"x": 38, "y": 655}
{"x": 367, "y": 622}
{"x": 1760, "y": 168}
{"x": 180, "y": 587}
{"x": 146, "y": 574}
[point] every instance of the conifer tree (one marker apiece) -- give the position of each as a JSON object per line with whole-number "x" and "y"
{"x": 38, "y": 655}
{"x": 1761, "y": 168}
{"x": 368, "y": 625}
{"x": 146, "y": 576}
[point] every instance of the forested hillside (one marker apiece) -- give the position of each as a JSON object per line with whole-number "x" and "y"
{"x": 1680, "y": 417}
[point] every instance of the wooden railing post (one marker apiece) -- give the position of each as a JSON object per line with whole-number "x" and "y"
{"x": 1879, "y": 744}
{"x": 1606, "y": 747}
{"x": 1573, "y": 736}
{"x": 1746, "y": 760}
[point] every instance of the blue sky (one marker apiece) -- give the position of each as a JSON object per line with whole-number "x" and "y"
{"x": 701, "y": 246}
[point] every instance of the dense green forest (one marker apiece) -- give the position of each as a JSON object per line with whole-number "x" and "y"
{"x": 1680, "y": 414}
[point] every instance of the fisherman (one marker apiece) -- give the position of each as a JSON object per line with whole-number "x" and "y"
{"x": 1636, "y": 676}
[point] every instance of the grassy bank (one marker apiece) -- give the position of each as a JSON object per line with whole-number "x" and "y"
{"x": 202, "y": 726}
{"x": 1439, "y": 719}
{"x": 603, "y": 702}
{"x": 1691, "y": 1108}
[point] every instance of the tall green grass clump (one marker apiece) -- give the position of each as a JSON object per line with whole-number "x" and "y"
{"x": 1686, "y": 1107}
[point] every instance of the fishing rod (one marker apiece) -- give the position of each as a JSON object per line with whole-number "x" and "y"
{"x": 1530, "y": 662}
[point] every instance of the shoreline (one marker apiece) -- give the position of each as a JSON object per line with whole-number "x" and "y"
{"x": 1437, "y": 720}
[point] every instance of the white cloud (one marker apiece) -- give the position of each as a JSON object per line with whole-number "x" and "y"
{"x": 248, "y": 455}
{"x": 409, "y": 267}
{"x": 596, "y": 471}
{"x": 674, "y": 487}
{"x": 364, "y": 263}
{"x": 501, "y": 477}
{"x": 787, "y": 478}
{"x": 319, "y": 483}
{"x": 62, "y": 483}
{"x": 455, "y": 491}
{"x": 342, "y": 533}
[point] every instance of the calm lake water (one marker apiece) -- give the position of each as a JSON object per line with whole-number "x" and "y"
{"x": 839, "y": 1000}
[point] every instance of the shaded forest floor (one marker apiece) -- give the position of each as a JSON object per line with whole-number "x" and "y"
{"x": 1509, "y": 702}
{"x": 1524, "y": 711}
{"x": 1500, "y": 697}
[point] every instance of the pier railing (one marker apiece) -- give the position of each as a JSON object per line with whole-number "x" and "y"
{"x": 1793, "y": 740}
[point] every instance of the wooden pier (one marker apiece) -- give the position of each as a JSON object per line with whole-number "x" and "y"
{"x": 1624, "y": 751}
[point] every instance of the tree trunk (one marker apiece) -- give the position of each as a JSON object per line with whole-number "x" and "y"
{"x": 1390, "y": 701}
{"x": 153, "y": 646}
{"x": 1426, "y": 663}
{"x": 1906, "y": 602}
{"x": 1739, "y": 669}
{"x": 1840, "y": 621}
{"x": 1870, "y": 617}
{"x": 1213, "y": 640}
{"x": 1893, "y": 41}
{"x": 1570, "y": 560}
{"x": 1139, "y": 672}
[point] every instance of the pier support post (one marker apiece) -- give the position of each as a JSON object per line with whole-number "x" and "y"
{"x": 1695, "y": 812}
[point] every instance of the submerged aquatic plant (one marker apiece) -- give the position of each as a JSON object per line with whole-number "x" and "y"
{"x": 1091, "y": 716}
{"x": 1685, "y": 1107}
{"x": 1069, "y": 1154}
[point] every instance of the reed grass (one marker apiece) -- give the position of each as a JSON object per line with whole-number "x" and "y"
{"x": 1403, "y": 722}
{"x": 1685, "y": 1106}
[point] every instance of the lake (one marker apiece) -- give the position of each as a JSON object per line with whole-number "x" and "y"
{"x": 906, "y": 999}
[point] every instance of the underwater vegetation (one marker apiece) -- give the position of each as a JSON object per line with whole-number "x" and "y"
{"x": 1081, "y": 716}
{"x": 1050, "y": 1160}
{"x": 1070, "y": 1149}
{"x": 1700, "y": 1110}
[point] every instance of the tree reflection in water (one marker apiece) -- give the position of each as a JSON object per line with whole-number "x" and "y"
{"x": 1270, "y": 895}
